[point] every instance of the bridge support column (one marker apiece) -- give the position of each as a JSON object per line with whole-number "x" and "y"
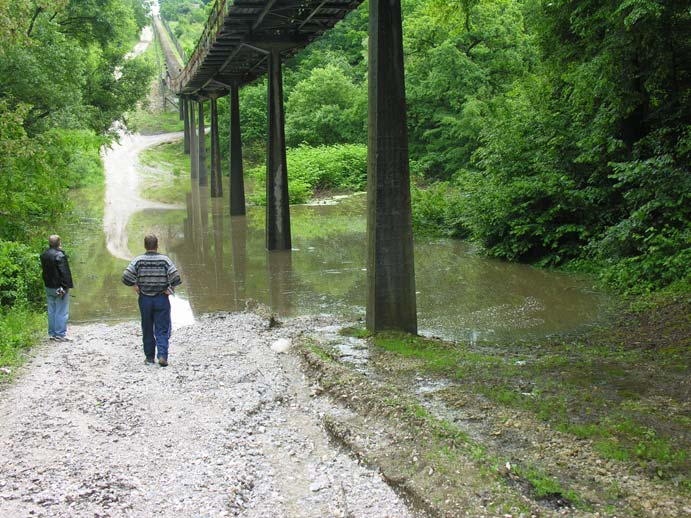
{"x": 186, "y": 122}
{"x": 277, "y": 203}
{"x": 237, "y": 182}
{"x": 390, "y": 267}
{"x": 203, "y": 178}
{"x": 216, "y": 185}
{"x": 194, "y": 143}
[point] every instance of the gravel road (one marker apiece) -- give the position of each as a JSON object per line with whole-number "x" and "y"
{"x": 230, "y": 428}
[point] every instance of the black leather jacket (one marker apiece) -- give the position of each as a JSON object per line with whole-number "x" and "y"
{"x": 56, "y": 270}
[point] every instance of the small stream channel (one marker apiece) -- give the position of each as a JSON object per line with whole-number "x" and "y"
{"x": 461, "y": 295}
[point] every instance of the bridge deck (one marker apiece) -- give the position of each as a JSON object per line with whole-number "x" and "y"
{"x": 239, "y": 34}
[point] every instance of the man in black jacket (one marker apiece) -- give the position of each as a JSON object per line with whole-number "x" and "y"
{"x": 58, "y": 280}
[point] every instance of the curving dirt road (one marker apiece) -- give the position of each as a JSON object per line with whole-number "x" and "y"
{"x": 230, "y": 428}
{"x": 122, "y": 188}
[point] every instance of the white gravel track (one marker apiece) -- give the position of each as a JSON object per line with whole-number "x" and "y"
{"x": 230, "y": 428}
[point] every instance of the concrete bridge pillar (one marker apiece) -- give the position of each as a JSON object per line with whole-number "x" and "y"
{"x": 193, "y": 142}
{"x": 237, "y": 182}
{"x": 277, "y": 203}
{"x": 216, "y": 185}
{"x": 203, "y": 177}
{"x": 186, "y": 122}
{"x": 391, "y": 300}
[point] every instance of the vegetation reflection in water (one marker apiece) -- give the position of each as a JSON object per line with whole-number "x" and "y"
{"x": 461, "y": 295}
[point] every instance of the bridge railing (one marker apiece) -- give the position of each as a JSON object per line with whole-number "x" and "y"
{"x": 174, "y": 39}
{"x": 213, "y": 26}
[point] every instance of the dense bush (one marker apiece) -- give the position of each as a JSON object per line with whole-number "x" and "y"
{"x": 38, "y": 170}
{"x": 651, "y": 246}
{"x": 324, "y": 168}
{"x": 20, "y": 275}
{"x": 326, "y": 108}
{"x": 20, "y": 327}
{"x": 438, "y": 210}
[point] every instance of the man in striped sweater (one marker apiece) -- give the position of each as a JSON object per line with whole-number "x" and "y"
{"x": 154, "y": 277}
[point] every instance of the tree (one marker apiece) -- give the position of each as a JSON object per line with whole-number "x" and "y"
{"x": 459, "y": 57}
{"x": 326, "y": 108}
{"x": 611, "y": 128}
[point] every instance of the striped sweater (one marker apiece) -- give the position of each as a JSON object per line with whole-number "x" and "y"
{"x": 154, "y": 273}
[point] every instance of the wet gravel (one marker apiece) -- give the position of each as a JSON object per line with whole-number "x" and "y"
{"x": 230, "y": 428}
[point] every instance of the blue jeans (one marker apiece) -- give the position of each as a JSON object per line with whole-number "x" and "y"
{"x": 58, "y": 312}
{"x": 155, "y": 313}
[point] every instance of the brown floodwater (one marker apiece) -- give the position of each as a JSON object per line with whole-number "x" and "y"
{"x": 460, "y": 294}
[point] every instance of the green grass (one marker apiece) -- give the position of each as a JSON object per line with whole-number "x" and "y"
{"x": 592, "y": 391}
{"x": 20, "y": 328}
{"x": 171, "y": 179}
{"x": 147, "y": 123}
{"x": 546, "y": 487}
{"x": 356, "y": 332}
{"x": 322, "y": 353}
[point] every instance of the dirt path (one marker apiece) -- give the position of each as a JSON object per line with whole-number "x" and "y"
{"x": 122, "y": 188}
{"x": 230, "y": 428}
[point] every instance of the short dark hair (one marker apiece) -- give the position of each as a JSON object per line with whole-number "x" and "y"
{"x": 151, "y": 242}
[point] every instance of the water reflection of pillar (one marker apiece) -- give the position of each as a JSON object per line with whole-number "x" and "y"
{"x": 204, "y": 222}
{"x": 189, "y": 218}
{"x": 196, "y": 219}
{"x": 238, "y": 234}
{"x": 280, "y": 279}
{"x": 217, "y": 225}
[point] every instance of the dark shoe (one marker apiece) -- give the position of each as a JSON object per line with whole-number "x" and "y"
{"x": 148, "y": 360}
{"x": 163, "y": 362}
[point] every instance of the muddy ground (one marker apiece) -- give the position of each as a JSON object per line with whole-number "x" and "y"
{"x": 596, "y": 425}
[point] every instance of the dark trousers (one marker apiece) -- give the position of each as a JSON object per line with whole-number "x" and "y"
{"x": 155, "y": 313}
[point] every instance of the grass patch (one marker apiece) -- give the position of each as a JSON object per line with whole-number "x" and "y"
{"x": 148, "y": 123}
{"x": 20, "y": 328}
{"x": 545, "y": 487}
{"x": 627, "y": 400}
{"x": 323, "y": 355}
{"x": 355, "y": 332}
{"x": 437, "y": 356}
{"x": 167, "y": 175}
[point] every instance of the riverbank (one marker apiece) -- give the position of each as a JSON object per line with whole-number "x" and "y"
{"x": 300, "y": 418}
{"x": 596, "y": 425}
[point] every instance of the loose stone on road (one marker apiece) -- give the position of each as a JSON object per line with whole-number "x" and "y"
{"x": 230, "y": 428}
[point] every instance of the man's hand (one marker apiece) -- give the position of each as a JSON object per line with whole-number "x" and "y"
{"x": 136, "y": 289}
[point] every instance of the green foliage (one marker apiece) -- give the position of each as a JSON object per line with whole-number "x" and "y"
{"x": 649, "y": 248}
{"x": 438, "y": 209}
{"x": 19, "y": 329}
{"x": 20, "y": 275}
{"x": 314, "y": 169}
{"x": 326, "y": 108}
{"x": 600, "y": 157}
{"x": 37, "y": 171}
{"x": 65, "y": 67}
{"x": 458, "y": 59}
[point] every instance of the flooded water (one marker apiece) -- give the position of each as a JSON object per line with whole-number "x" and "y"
{"x": 223, "y": 262}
